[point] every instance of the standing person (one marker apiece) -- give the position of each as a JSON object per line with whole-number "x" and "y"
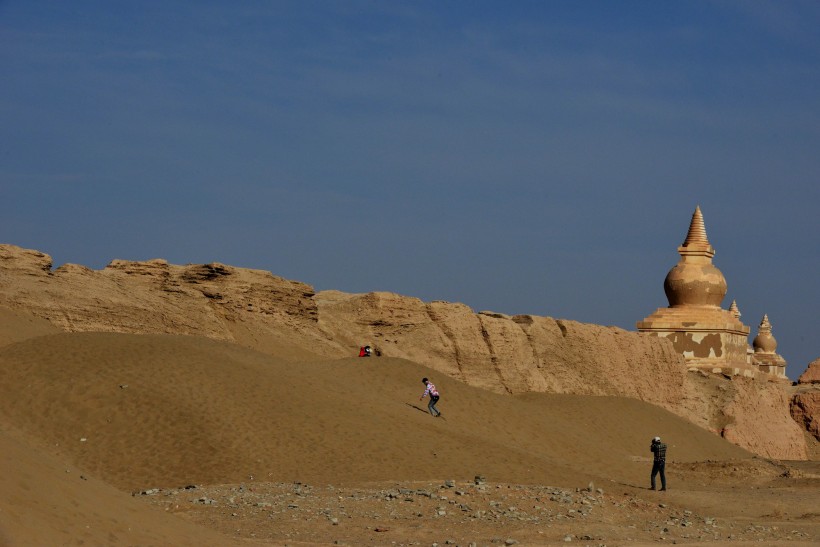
{"x": 434, "y": 396}
{"x": 658, "y": 450}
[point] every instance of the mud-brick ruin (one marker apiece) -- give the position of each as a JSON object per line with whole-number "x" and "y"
{"x": 709, "y": 337}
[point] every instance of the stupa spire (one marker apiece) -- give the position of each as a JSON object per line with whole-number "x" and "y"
{"x": 697, "y": 230}
{"x": 697, "y": 243}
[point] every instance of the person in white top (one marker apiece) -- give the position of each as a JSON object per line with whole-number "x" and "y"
{"x": 434, "y": 397}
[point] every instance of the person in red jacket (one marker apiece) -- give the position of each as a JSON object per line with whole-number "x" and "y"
{"x": 434, "y": 397}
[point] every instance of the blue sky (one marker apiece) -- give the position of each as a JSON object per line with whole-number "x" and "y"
{"x": 521, "y": 157}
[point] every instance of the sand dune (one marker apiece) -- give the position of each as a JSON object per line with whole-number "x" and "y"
{"x": 157, "y": 410}
{"x": 132, "y": 412}
{"x": 46, "y": 500}
{"x": 16, "y": 326}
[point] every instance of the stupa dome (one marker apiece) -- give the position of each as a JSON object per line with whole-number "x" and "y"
{"x": 695, "y": 281}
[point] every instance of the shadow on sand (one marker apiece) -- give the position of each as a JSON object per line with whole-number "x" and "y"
{"x": 422, "y": 410}
{"x": 417, "y": 408}
{"x": 631, "y": 485}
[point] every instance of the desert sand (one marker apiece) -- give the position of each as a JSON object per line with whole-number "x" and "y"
{"x": 157, "y": 439}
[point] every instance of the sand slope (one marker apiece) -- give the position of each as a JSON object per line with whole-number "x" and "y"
{"x": 48, "y": 501}
{"x": 160, "y": 410}
{"x": 132, "y": 412}
{"x": 17, "y": 325}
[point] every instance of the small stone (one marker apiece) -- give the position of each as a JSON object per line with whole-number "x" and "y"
{"x": 567, "y": 538}
{"x": 510, "y": 541}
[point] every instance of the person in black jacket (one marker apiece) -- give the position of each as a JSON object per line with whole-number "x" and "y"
{"x": 658, "y": 450}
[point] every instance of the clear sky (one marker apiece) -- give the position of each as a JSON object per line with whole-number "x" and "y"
{"x": 520, "y": 157}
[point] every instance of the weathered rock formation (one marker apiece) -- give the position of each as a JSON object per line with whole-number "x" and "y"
{"x": 811, "y": 374}
{"x": 212, "y": 300}
{"x": 512, "y": 354}
{"x": 805, "y": 404}
{"x": 805, "y": 409}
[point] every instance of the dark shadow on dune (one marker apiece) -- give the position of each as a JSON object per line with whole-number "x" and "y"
{"x": 417, "y": 408}
{"x": 630, "y": 485}
{"x": 423, "y": 410}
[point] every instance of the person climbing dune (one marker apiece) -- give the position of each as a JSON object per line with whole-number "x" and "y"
{"x": 434, "y": 397}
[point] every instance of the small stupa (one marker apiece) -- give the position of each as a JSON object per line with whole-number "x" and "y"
{"x": 734, "y": 310}
{"x": 708, "y": 336}
{"x": 765, "y": 356}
